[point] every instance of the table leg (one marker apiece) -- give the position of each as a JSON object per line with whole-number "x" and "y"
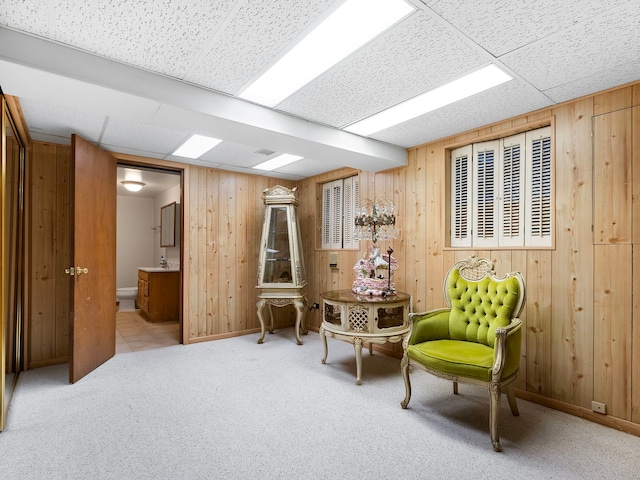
{"x": 270, "y": 318}
{"x": 300, "y": 313}
{"x": 324, "y": 342}
{"x": 260, "y": 307}
{"x": 357, "y": 345}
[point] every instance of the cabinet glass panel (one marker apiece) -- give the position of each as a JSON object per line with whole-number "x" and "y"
{"x": 277, "y": 268}
{"x": 332, "y": 314}
{"x": 303, "y": 272}
{"x": 390, "y": 317}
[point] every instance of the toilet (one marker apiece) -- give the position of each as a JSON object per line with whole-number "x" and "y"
{"x": 127, "y": 297}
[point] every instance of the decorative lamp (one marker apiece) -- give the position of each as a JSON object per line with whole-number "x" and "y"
{"x": 375, "y": 221}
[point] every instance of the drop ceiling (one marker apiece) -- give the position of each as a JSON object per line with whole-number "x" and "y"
{"x": 139, "y": 77}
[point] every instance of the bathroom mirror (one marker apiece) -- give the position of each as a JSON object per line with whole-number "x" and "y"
{"x": 168, "y": 225}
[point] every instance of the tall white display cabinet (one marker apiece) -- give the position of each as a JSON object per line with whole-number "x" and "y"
{"x": 282, "y": 279}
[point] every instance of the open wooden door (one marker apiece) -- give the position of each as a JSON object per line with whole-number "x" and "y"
{"x": 93, "y": 258}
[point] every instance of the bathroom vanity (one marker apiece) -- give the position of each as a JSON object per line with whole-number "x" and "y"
{"x": 159, "y": 294}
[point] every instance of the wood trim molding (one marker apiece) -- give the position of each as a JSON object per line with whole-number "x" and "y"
{"x": 606, "y": 420}
{"x": 13, "y": 104}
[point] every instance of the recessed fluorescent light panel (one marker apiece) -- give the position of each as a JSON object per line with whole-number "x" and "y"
{"x": 196, "y": 146}
{"x": 348, "y": 28}
{"x": 475, "y": 82}
{"x": 277, "y": 162}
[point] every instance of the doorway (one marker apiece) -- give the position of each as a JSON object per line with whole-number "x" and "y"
{"x": 144, "y": 258}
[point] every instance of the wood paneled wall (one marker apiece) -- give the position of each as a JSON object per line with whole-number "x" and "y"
{"x": 581, "y": 340}
{"x": 48, "y": 320}
{"x": 226, "y": 213}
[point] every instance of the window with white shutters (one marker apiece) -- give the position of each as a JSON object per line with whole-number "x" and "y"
{"x": 506, "y": 190}
{"x": 339, "y": 204}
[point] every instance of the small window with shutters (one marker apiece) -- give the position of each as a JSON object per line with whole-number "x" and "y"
{"x": 339, "y": 204}
{"x": 501, "y": 192}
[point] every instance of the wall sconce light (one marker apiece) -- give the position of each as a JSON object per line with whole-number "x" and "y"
{"x": 132, "y": 186}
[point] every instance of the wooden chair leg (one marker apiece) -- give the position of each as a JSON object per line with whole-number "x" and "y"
{"x": 404, "y": 368}
{"x": 512, "y": 401}
{"x": 494, "y": 415}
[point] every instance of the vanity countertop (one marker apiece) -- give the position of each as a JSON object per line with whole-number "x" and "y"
{"x": 157, "y": 269}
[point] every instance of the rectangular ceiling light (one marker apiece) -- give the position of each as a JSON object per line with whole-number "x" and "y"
{"x": 472, "y": 83}
{"x": 196, "y": 146}
{"x": 277, "y": 162}
{"x": 348, "y": 28}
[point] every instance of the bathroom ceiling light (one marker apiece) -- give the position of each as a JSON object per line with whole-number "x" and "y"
{"x": 132, "y": 186}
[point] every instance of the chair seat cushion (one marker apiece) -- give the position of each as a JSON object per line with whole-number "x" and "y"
{"x": 454, "y": 357}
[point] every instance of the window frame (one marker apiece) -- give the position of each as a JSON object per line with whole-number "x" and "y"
{"x": 338, "y": 204}
{"x": 501, "y": 172}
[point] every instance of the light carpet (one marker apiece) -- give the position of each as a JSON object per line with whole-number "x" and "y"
{"x": 233, "y": 409}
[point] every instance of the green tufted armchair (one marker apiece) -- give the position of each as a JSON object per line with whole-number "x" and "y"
{"x": 476, "y": 340}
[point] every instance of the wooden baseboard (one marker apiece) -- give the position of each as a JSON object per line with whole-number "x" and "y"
{"x": 221, "y": 336}
{"x": 607, "y": 420}
{"x": 47, "y": 363}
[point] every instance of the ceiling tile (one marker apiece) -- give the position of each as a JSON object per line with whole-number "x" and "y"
{"x": 603, "y": 80}
{"x": 61, "y": 121}
{"x": 164, "y": 36}
{"x": 258, "y": 34}
{"x": 391, "y": 69}
{"x": 507, "y": 100}
{"x": 594, "y": 46}
{"x": 150, "y": 138}
{"x": 131, "y": 151}
{"x": 31, "y": 16}
{"x": 501, "y": 27}
{"x": 230, "y": 153}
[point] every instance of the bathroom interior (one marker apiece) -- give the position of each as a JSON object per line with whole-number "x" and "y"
{"x": 147, "y": 258}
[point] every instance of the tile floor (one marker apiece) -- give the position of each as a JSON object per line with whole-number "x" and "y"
{"x": 134, "y": 333}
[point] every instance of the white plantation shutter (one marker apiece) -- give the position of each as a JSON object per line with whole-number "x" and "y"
{"x": 326, "y": 215}
{"x": 461, "y": 197}
{"x": 512, "y": 182}
{"x": 485, "y": 193}
{"x": 509, "y": 184}
{"x": 539, "y": 198}
{"x": 350, "y": 204}
{"x": 339, "y": 204}
{"x": 336, "y": 214}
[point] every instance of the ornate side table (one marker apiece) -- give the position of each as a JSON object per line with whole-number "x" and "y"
{"x": 269, "y": 299}
{"x": 360, "y": 319}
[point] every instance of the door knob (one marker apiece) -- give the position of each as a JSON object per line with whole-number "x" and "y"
{"x": 76, "y": 270}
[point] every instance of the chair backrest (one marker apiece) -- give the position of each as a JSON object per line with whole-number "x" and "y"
{"x": 480, "y": 301}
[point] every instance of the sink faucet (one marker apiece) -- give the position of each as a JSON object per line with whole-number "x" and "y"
{"x": 164, "y": 263}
